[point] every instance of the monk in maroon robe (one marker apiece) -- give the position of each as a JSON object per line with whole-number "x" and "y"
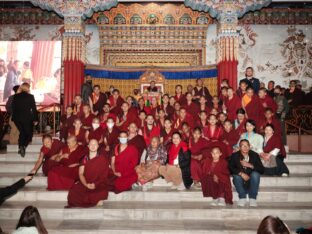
{"x": 216, "y": 179}
{"x": 136, "y": 139}
{"x": 213, "y": 132}
{"x": 78, "y": 132}
{"x": 124, "y": 162}
{"x": 63, "y": 176}
{"x": 125, "y": 117}
{"x": 96, "y": 132}
{"x": 142, "y": 107}
{"x": 230, "y": 137}
{"x": 168, "y": 109}
{"x": 149, "y": 130}
{"x": 166, "y": 134}
{"x": 252, "y": 105}
{"x": 232, "y": 104}
{"x": 266, "y": 101}
{"x": 48, "y": 152}
{"x": 110, "y": 137}
{"x": 183, "y": 118}
{"x": 97, "y": 100}
{"x": 87, "y": 117}
{"x": 196, "y": 145}
{"x": 66, "y": 122}
{"x": 179, "y": 97}
{"x": 115, "y": 102}
{"x": 92, "y": 188}
{"x": 269, "y": 118}
{"x": 191, "y": 107}
{"x": 201, "y": 90}
{"x": 78, "y": 106}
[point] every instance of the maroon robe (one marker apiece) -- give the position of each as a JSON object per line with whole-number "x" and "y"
{"x": 62, "y": 177}
{"x": 226, "y": 152}
{"x": 179, "y": 122}
{"x": 197, "y": 165}
{"x": 95, "y": 171}
{"x": 125, "y": 163}
{"x": 180, "y": 99}
{"x": 267, "y": 102}
{"x": 230, "y": 139}
{"x": 274, "y": 142}
{"x": 111, "y": 139}
{"x": 240, "y": 129}
{"x": 253, "y": 109}
{"x": 116, "y": 105}
{"x": 129, "y": 118}
{"x": 223, "y": 188}
{"x": 81, "y": 137}
{"x": 146, "y": 109}
{"x": 149, "y": 134}
{"x": 212, "y": 136}
{"x": 78, "y": 111}
{"x": 192, "y": 109}
{"x": 95, "y": 134}
{"x": 48, "y": 164}
{"x": 98, "y": 103}
{"x": 276, "y": 124}
{"x": 66, "y": 124}
{"x": 139, "y": 143}
{"x": 203, "y": 91}
{"x": 232, "y": 105}
{"x": 167, "y": 137}
{"x": 169, "y": 111}
{"x": 87, "y": 121}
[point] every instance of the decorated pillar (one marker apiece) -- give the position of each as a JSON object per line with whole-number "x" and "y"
{"x": 227, "y": 13}
{"x": 227, "y": 48}
{"x": 74, "y": 13}
{"x": 73, "y": 56}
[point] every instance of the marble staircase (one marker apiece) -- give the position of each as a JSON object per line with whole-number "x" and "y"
{"x": 159, "y": 210}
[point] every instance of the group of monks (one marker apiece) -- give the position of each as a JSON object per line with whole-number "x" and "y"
{"x": 102, "y": 139}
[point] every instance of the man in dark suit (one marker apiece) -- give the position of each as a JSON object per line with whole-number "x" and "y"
{"x": 250, "y": 80}
{"x": 24, "y": 115}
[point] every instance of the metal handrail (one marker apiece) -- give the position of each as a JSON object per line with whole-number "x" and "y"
{"x": 300, "y": 129}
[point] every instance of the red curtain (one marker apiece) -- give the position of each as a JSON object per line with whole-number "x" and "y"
{"x": 228, "y": 70}
{"x": 73, "y": 78}
{"x": 42, "y": 59}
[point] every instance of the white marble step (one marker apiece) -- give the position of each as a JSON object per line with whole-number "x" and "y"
{"x": 98, "y": 226}
{"x": 161, "y": 211}
{"x": 9, "y": 167}
{"x": 295, "y": 180}
{"x": 266, "y": 194}
{"x": 30, "y": 148}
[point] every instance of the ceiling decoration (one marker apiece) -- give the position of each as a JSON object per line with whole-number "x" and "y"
{"x": 83, "y": 8}
{"x": 219, "y": 8}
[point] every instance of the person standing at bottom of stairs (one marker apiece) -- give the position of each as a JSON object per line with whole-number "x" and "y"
{"x": 24, "y": 115}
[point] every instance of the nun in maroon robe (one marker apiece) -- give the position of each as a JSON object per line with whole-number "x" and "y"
{"x": 115, "y": 102}
{"x": 92, "y": 187}
{"x": 149, "y": 131}
{"x": 126, "y": 117}
{"x": 196, "y": 145}
{"x": 230, "y": 136}
{"x": 216, "y": 179}
{"x": 166, "y": 133}
{"x": 125, "y": 160}
{"x": 87, "y": 117}
{"x": 95, "y": 133}
{"x": 63, "y": 176}
{"x": 48, "y": 163}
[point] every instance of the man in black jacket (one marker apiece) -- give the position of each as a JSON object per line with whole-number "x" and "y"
{"x": 246, "y": 167}
{"x": 250, "y": 80}
{"x": 24, "y": 115}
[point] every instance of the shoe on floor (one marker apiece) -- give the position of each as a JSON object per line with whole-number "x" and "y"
{"x": 136, "y": 186}
{"x": 285, "y": 175}
{"x": 181, "y": 187}
{"x": 147, "y": 186}
{"x": 23, "y": 151}
{"x": 214, "y": 202}
{"x": 241, "y": 202}
{"x": 221, "y": 202}
{"x": 253, "y": 202}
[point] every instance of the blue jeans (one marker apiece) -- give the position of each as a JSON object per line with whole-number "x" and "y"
{"x": 251, "y": 190}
